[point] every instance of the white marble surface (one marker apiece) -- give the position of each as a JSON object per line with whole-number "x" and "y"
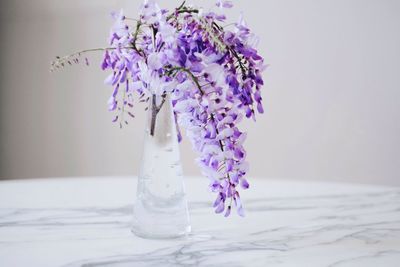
{"x": 85, "y": 222}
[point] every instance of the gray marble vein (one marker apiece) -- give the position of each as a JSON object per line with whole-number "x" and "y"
{"x": 287, "y": 224}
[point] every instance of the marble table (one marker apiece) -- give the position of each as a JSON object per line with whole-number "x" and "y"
{"x": 86, "y": 222}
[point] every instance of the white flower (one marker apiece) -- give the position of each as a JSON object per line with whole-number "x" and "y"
{"x": 156, "y": 60}
{"x": 206, "y": 60}
{"x": 212, "y": 149}
{"x": 168, "y": 33}
{"x": 225, "y": 133}
{"x": 150, "y": 12}
{"x": 216, "y": 73}
{"x": 152, "y": 81}
{"x": 185, "y": 106}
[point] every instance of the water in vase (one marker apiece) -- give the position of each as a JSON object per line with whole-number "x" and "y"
{"x": 161, "y": 209}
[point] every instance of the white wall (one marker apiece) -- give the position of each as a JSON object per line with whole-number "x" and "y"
{"x": 331, "y": 95}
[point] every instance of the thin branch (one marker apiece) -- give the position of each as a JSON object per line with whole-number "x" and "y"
{"x": 180, "y": 10}
{"x": 61, "y": 61}
{"x": 154, "y": 112}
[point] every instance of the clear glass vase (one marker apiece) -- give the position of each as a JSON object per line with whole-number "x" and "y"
{"x": 161, "y": 208}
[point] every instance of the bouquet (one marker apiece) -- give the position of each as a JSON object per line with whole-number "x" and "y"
{"x": 210, "y": 70}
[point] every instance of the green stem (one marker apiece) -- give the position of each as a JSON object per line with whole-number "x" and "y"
{"x": 182, "y": 9}
{"x": 135, "y": 36}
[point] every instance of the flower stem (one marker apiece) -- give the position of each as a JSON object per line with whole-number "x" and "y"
{"x": 154, "y": 112}
{"x": 60, "y": 62}
{"x": 182, "y": 9}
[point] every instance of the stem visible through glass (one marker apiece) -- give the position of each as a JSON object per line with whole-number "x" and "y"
{"x": 154, "y": 111}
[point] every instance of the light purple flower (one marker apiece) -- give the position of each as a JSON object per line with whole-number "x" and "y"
{"x": 213, "y": 76}
{"x": 224, "y": 4}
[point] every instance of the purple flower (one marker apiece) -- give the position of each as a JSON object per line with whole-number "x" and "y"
{"x": 228, "y": 211}
{"x": 213, "y": 76}
{"x": 224, "y": 4}
{"x": 244, "y": 183}
{"x": 220, "y": 208}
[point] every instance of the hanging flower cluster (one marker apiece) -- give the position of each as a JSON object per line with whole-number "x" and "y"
{"x": 212, "y": 74}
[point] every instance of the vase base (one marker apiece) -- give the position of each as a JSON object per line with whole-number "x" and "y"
{"x": 158, "y": 235}
{"x": 161, "y": 218}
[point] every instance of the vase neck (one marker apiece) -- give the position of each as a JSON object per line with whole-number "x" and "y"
{"x": 161, "y": 120}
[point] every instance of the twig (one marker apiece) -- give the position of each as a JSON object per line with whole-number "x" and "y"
{"x": 154, "y": 112}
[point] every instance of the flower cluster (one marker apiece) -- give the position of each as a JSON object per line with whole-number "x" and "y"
{"x": 212, "y": 73}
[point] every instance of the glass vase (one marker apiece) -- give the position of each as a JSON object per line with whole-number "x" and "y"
{"x": 161, "y": 208}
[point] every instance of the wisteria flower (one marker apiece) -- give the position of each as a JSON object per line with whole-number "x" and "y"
{"x": 211, "y": 73}
{"x": 224, "y": 4}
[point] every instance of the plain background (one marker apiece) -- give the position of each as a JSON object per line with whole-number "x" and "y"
{"x": 332, "y": 91}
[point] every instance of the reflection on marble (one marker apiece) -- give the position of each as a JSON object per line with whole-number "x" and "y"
{"x": 85, "y": 222}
